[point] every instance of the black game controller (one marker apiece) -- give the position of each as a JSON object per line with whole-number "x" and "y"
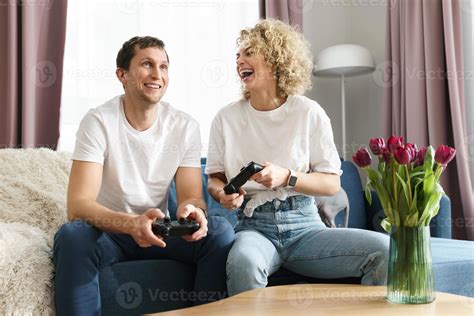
{"x": 239, "y": 180}
{"x": 181, "y": 227}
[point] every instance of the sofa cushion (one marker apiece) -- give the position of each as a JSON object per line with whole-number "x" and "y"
{"x": 453, "y": 266}
{"x": 350, "y": 181}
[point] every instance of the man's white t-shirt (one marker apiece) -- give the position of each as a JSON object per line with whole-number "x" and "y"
{"x": 138, "y": 166}
{"x": 297, "y": 135}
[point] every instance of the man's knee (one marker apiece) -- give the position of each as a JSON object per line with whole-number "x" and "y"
{"x": 76, "y": 234}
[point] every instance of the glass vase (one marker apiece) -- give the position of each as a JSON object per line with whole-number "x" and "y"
{"x": 410, "y": 274}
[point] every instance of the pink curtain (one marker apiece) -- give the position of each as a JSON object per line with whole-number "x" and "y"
{"x": 288, "y": 11}
{"x": 424, "y": 100}
{"x": 32, "y": 34}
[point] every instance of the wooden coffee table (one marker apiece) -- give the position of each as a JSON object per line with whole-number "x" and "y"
{"x": 326, "y": 299}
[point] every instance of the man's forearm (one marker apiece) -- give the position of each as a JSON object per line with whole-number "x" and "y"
{"x": 101, "y": 216}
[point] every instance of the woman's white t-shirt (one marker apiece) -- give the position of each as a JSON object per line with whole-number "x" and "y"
{"x": 297, "y": 135}
{"x": 138, "y": 166}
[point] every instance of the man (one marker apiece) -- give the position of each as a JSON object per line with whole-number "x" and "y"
{"x": 127, "y": 152}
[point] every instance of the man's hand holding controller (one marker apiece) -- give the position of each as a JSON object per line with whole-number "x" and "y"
{"x": 141, "y": 228}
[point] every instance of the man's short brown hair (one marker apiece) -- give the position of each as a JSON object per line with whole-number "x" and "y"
{"x": 127, "y": 51}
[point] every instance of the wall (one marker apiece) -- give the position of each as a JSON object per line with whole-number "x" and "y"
{"x": 362, "y": 22}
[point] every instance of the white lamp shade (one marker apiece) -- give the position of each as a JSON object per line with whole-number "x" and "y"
{"x": 343, "y": 60}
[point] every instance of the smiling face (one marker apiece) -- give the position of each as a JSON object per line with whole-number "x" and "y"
{"x": 146, "y": 79}
{"x": 254, "y": 72}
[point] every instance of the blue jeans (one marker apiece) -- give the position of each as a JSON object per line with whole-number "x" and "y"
{"x": 81, "y": 251}
{"x": 291, "y": 234}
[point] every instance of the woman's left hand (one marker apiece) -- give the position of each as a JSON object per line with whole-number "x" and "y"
{"x": 272, "y": 176}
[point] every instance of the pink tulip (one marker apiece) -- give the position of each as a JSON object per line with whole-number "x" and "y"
{"x": 444, "y": 154}
{"x": 403, "y": 155}
{"x": 362, "y": 158}
{"x": 413, "y": 150}
{"x": 420, "y": 156}
{"x": 377, "y": 145}
{"x": 394, "y": 142}
{"x": 386, "y": 155}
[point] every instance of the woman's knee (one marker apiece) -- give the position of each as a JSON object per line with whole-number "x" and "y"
{"x": 380, "y": 243}
{"x": 243, "y": 260}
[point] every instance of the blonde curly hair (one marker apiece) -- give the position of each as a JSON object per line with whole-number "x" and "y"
{"x": 284, "y": 48}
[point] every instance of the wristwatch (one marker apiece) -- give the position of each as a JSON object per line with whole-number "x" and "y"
{"x": 203, "y": 210}
{"x": 292, "y": 179}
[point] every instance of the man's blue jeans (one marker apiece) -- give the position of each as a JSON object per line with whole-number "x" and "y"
{"x": 81, "y": 250}
{"x": 291, "y": 234}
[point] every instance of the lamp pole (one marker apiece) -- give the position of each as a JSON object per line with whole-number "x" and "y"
{"x": 343, "y": 113}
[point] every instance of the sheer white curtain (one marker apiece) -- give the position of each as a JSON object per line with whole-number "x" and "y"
{"x": 200, "y": 39}
{"x": 468, "y": 42}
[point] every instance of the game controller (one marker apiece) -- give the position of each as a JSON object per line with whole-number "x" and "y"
{"x": 239, "y": 180}
{"x": 181, "y": 227}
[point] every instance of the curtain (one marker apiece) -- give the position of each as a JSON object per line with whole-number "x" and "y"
{"x": 288, "y": 11}
{"x": 424, "y": 101}
{"x": 32, "y": 34}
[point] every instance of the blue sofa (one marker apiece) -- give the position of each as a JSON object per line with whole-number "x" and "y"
{"x": 158, "y": 285}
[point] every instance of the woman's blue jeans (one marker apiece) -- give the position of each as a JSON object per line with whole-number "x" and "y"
{"x": 291, "y": 234}
{"x": 81, "y": 250}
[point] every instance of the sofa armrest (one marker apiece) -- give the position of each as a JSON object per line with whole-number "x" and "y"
{"x": 440, "y": 225}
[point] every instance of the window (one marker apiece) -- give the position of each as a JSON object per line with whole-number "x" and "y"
{"x": 468, "y": 46}
{"x": 200, "y": 38}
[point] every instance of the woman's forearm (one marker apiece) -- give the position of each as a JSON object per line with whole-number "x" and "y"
{"x": 215, "y": 184}
{"x": 317, "y": 183}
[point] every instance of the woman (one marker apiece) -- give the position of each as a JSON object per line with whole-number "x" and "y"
{"x": 291, "y": 136}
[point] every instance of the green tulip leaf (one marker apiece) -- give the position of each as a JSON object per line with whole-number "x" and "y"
{"x": 373, "y": 175}
{"x": 429, "y": 159}
{"x": 429, "y": 209}
{"x": 386, "y": 225}
{"x": 368, "y": 194}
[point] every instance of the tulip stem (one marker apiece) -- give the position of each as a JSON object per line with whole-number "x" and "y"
{"x": 410, "y": 198}
{"x": 395, "y": 192}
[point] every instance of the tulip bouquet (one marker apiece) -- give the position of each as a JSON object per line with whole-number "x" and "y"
{"x": 407, "y": 183}
{"x": 406, "y": 180}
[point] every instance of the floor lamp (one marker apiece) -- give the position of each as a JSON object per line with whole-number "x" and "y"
{"x": 344, "y": 60}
